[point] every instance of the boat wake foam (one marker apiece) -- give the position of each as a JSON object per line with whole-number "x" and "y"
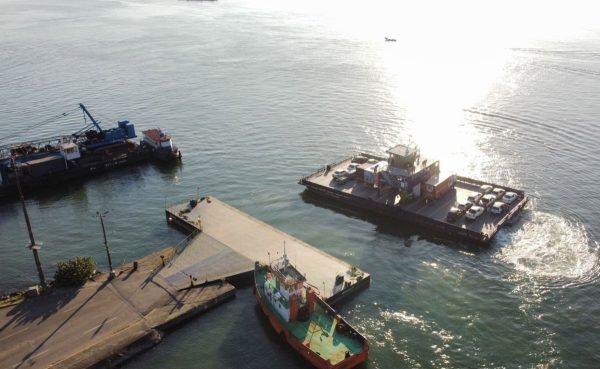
{"x": 554, "y": 251}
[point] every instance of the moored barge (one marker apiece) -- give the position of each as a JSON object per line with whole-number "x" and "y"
{"x": 92, "y": 150}
{"x": 411, "y": 189}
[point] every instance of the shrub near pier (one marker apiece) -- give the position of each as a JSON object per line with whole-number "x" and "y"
{"x": 74, "y": 272}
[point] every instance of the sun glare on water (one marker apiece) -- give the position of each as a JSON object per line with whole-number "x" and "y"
{"x": 447, "y": 57}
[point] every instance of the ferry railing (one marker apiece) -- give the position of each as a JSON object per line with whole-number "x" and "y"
{"x": 322, "y": 169}
{"x": 477, "y": 182}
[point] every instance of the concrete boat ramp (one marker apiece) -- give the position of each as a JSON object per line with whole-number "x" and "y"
{"x": 230, "y": 241}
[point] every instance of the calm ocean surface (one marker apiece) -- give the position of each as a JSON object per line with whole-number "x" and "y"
{"x": 259, "y": 93}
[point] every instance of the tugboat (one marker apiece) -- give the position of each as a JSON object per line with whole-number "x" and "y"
{"x": 89, "y": 151}
{"x": 161, "y": 144}
{"x": 304, "y": 320}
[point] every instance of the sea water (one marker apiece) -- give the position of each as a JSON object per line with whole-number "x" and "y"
{"x": 259, "y": 93}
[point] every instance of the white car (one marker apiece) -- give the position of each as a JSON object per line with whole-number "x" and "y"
{"x": 339, "y": 173}
{"x": 485, "y": 189}
{"x": 498, "y": 192}
{"x": 342, "y": 179}
{"x": 487, "y": 200}
{"x": 352, "y": 168}
{"x": 509, "y": 197}
{"x": 474, "y": 212}
{"x": 498, "y": 208}
{"x": 464, "y": 205}
{"x": 474, "y": 198}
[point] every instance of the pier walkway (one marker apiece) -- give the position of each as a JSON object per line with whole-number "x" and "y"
{"x": 230, "y": 241}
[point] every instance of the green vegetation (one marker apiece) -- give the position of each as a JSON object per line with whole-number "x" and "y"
{"x": 74, "y": 272}
{"x": 11, "y": 299}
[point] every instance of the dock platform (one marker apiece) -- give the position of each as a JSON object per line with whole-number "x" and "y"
{"x": 430, "y": 216}
{"x": 230, "y": 241}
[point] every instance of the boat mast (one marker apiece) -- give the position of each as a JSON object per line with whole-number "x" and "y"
{"x": 33, "y": 246}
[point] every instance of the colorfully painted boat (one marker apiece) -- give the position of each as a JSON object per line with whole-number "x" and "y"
{"x": 306, "y": 322}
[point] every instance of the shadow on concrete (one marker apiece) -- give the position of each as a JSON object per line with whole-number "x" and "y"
{"x": 33, "y": 352}
{"x": 40, "y": 307}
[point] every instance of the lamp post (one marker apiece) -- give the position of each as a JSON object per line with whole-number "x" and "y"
{"x": 101, "y": 216}
{"x": 33, "y": 246}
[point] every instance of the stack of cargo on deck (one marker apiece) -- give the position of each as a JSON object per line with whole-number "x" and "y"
{"x": 411, "y": 188}
{"x": 83, "y": 153}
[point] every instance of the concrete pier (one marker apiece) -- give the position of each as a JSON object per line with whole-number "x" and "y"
{"x": 230, "y": 241}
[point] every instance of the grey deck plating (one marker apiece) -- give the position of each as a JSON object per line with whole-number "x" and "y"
{"x": 231, "y": 241}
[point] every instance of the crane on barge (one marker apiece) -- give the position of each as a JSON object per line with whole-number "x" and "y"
{"x": 86, "y": 152}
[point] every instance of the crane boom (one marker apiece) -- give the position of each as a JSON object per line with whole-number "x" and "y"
{"x": 96, "y": 123}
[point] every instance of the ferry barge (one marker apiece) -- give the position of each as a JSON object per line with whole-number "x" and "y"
{"x": 411, "y": 189}
{"x": 84, "y": 153}
{"x": 306, "y": 322}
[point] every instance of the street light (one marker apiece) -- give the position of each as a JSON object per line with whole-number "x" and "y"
{"x": 101, "y": 216}
{"x": 33, "y": 246}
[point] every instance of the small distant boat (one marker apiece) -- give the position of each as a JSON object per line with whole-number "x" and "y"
{"x": 304, "y": 320}
{"x": 390, "y": 39}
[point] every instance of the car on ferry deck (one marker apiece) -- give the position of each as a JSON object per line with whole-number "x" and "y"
{"x": 509, "y": 198}
{"x": 485, "y": 189}
{"x": 475, "y": 212}
{"x": 352, "y": 168}
{"x": 487, "y": 200}
{"x": 474, "y": 198}
{"x": 339, "y": 173}
{"x": 498, "y": 192}
{"x": 498, "y": 208}
{"x": 454, "y": 214}
{"x": 464, "y": 205}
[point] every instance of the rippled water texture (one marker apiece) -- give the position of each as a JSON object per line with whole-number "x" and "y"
{"x": 259, "y": 93}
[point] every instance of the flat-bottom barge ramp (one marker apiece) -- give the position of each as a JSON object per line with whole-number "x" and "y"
{"x": 380, "y": 194}
{"x": 230, "y": 241}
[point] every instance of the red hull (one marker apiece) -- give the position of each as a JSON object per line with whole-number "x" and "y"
{"x": 316, "y": 360}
